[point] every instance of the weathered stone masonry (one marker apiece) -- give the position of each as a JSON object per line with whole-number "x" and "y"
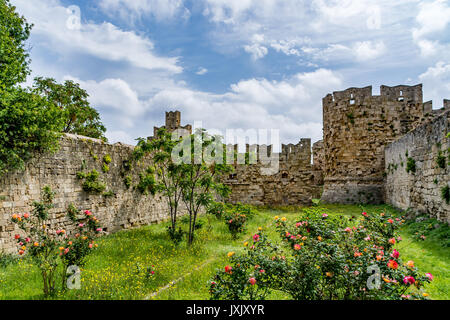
{"x": 420, "y": 191}
{"x": 357, "y": 127}
{"x": 293, "y": 184}
{"x": 126, "y": 209}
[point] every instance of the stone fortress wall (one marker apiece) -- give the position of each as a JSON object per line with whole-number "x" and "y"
{"x": 122, "y": 208}
{"x": 357, "y": 128}
{"x": 422, "y": 190}
{"x": 363, "y": 135}
{"x": 292, "y": 183}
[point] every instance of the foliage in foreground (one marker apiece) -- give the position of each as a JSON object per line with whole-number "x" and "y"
{"x": 50, "y": 247}
{"x": 323, "y": 258}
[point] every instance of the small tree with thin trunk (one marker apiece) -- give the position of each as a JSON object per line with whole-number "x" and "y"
{"x": 202, "y": 171}
{"x": 168, "y": 174}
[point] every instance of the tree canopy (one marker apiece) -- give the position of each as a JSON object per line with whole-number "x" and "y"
{"x": 14, "y": 59}
{"x": 79, "y": 117}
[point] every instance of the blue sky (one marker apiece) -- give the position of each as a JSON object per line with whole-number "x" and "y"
{"x": 236, "y": 64}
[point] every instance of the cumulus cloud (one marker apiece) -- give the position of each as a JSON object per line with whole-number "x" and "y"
{"x": 436, "y": 81}
{"x": 54, "y": 22}
{"x": 292, "y": 105}
{"x": 367, "y": 50}
{"x": 433, "y": 19}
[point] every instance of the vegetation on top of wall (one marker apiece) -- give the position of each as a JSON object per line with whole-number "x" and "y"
{"x": 411, "y": 165}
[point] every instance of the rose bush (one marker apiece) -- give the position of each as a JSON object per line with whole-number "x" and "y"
{"x": 49, "y": 247}
{"x": 323, "y": 256}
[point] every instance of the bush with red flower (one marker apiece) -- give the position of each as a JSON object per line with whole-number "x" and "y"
{"x": 326, "y": 257}
{"x": 49, "y": 247}
{"x": 236, "y": 223}
{"x": 236, "y": 216}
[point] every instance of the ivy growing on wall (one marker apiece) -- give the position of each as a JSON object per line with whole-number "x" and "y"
{"x": 411, "y": 165}
{"x": 445, "y": 193}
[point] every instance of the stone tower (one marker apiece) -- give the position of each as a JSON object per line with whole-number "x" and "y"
{"x": 173, "y": 120}
{"x": 357, "y": 127}
{"x": 173, "y": 123}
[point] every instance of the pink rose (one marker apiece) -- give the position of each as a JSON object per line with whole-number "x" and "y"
{"x": 324, "y": 215}
{"x": 409, "y": 280}
{"x": 429, "y": 276}
{"x": 256, "y": 237}
{"x": 252, "y": 281}
{"x": 395, "y": 254}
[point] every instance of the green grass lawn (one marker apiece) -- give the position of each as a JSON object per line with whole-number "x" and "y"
{"x": 116, "y": 270}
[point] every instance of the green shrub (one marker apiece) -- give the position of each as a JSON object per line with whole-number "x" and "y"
{"x": 217, "y": 209}
{"x": 147, "y": 182}
{"x": 175, "y": 235}
{"x": 91, "y": 184}
{"x": 7, "y": 259}
{"x": 236, "y": 223}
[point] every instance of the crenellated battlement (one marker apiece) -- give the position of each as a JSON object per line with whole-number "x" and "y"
{"x": 357, "y": 127}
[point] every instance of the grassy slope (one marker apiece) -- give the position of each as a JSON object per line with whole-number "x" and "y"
{"x": 115, "y": 271}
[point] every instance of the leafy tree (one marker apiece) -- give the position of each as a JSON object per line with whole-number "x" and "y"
{"x": 80, "y": 117}
{"x": 201, "y": 176}
{"x": 14, "y": 59}
{"x": 28, "y": 124}
{"x": 168, "y": 181}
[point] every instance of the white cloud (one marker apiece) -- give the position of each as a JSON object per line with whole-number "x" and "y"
{"x": 134, "y": 9}
{"x": 104, "y": 41}
{"x": 113, "y": 94}
{"x": 256, "y": 50}
{"x": 436, "y": 82}
{"x": 433, "y": 19}
{"x": 293, "y": 105}
{"x": 201, "y": 71}
{"x": 368, "y": 50}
